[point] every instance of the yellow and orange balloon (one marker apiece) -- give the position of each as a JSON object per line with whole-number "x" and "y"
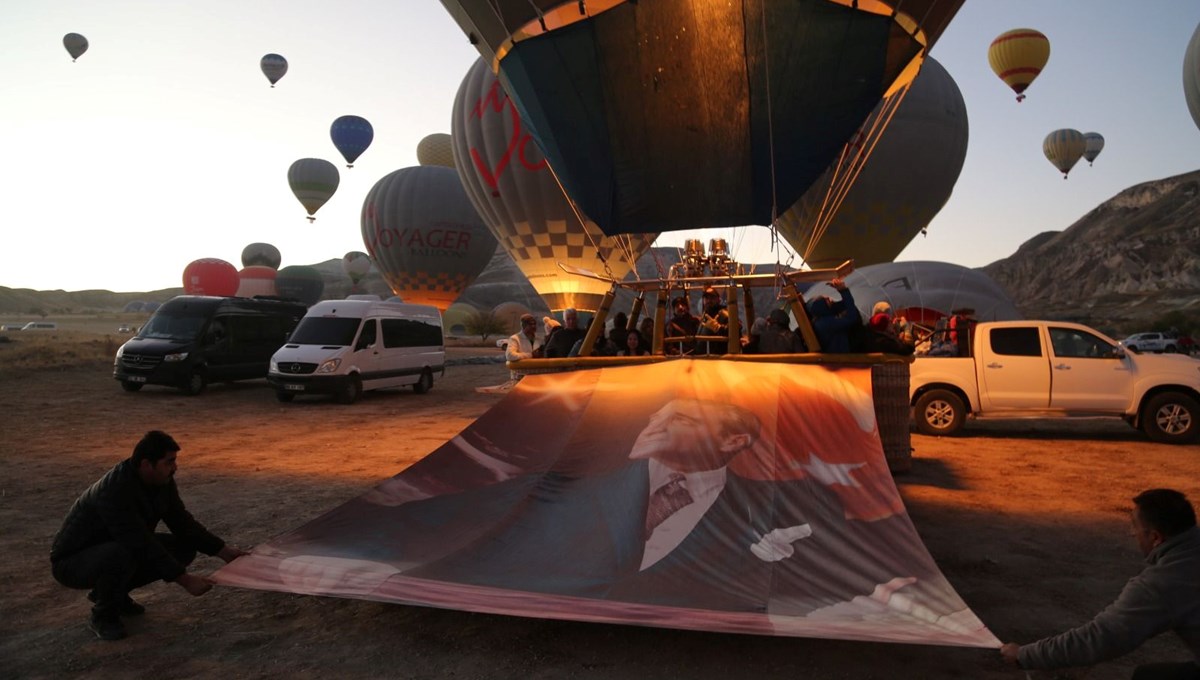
{"x": 1018, "y": 57}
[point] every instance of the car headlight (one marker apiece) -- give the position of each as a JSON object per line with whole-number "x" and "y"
{"x": 329, "y": 366}
{"x": 175, "y": 357}
{"x": 274, "y": 367}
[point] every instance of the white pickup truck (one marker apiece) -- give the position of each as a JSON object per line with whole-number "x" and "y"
{"x": 1056, "y": 369}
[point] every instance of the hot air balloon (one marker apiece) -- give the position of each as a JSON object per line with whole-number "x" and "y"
{"x": 351, "y": 135}
{"x": 900, "y": 186}
{"x": 356, "y": 265}
{"x": 261, "y": 254}
{"x": 1191, "y": 76}
{"x": 76, "y": 45}
{"x": 256, "y": 280}
{"x": 273, "y": 67}
{"x": 1064, "y": 148}
{"x": 423, "y": 235}
{"x": 210, "y": 276}
{"x": 1093, "y": 145}
{"x": 674, "y": 114}
{"x": 436, "y": 149}
{"x": 514, "y": 191}
{"x": 1018, "y": 56}
{"x": 300, "y": 282}
{"x": 313, "y": 181}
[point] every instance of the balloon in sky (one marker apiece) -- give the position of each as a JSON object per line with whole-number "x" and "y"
{"x": 76, "y": 45}
{"x": 661, "y": 116}
{"x": 1093, "y": 145}
{"x": 435, "y": 149}
{"x": 313, "y": 181}
{"x": 1191, "y": 76}
{"x": 905, "y": 180}
{"x": 1064, "y": 148}
{"x": 1018, "y": 56}
{"x": 300, "y": 282}
{"x": 256, "y": 280}
{"x": 273, "y": 67}
{"x": 423, "y": 235}
{"x": 210, "y": 276}
{"x": 356, "y": 265}
{"x": 263, "y": 254}
{"x": 351, "y": 135}
{"x": 515, "y": 193}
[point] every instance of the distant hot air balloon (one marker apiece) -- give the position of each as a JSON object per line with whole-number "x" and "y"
{"x": 1191, "y": 76}
{"x": 351, "y": 135}
{"x": 1018, "y": 56}
{"x": 870, "y": 211}
{"x": 210, "y": 276}
{"x": 1093, "y": 145}
{"x": 261, "y": 254}
{"x": 518, "y": 198}
{"x": 76, "y": 45}
{"x": 273, "y": 67}
{"x": 423, "y": 235}
{"x": 678, "y": 114}
{"x": 313, "y": 181}
{"x": 436, "y": 149}
{"x": 300, "y": 282}
{"x": 256, "y": 280}
{"x": 356, "y": 265}
{"x": 1064, "y": 148}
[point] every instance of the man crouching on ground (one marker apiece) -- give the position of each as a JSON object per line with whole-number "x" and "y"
{"x": 107, "y": 542}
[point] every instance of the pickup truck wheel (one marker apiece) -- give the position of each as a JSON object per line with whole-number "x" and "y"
{"x": 424, "y": 383}
{"x": 351, "y": 391}
{"x": 939, "y": 413}
{"x": 130, "y": 386}
{"x": 1172, "y": 418}
{"x": 1170, "y": 349}
{"x": 1131, "y": 348}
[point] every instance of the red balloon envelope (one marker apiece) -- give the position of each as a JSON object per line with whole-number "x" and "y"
{"x": 210, "y": 276}
{"x": 256, "y": 280}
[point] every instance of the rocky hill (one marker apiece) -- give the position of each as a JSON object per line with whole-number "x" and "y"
{"x": 1127, "y": 262}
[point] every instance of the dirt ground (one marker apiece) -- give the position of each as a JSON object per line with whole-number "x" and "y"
{"x": 1027, "y": 520}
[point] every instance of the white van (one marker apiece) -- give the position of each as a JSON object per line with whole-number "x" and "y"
{"x": 40, "y": 326}
{"x": 342, "y": 347}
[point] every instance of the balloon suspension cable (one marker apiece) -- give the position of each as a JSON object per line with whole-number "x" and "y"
{"x": 588, "y": 232}
{"x": 311, "y": 219}
{"x": 770, "y": 117}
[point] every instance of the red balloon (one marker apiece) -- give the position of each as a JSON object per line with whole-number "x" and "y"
{"x": 256, "y": 280}
{"x": 210, "y": 276}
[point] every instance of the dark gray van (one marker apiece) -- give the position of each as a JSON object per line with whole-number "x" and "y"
{"x": 193, "y": 340}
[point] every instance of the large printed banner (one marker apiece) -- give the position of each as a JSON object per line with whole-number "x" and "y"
{"x": 696, "y": 494}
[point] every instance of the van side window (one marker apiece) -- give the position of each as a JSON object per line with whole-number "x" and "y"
{"x": 367, "y": 337}
{"x": 410, "y": 333}
{"x": 1020, "y": 342}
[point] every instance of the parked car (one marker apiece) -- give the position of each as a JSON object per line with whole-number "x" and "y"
{"x": 1150, "y": 342}
{"x": 12, "y": 327}
{"x": 40, "y": 326}
{"x": 124, "y": 328}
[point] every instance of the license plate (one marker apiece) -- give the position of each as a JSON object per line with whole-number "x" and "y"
{"x": 136, "y": 378}
{"x": 294, "y": 388}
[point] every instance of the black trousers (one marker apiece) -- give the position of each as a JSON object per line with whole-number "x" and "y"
{"x": 1187, "y": 670}
{"x": 111, "y": 570}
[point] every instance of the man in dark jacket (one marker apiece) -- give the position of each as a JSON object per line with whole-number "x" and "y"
{"x": 559, "y": 345}
{"x": 836, "y": 323}
{"x": 107, "y": 542}
{"x": 1165, "y": 596}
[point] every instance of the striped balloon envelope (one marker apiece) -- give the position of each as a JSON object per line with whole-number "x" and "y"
{"x": 1095, "y": 144}
{"x": 1018, "y": 56}
{"x": 313, "y": 181}
{"x": 1191, "y": 76}
{"x": 273, "y": 67}
{"x": 1064, "y": 148}
{"x": 436, "y": 149}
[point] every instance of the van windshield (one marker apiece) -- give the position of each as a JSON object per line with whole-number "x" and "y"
{"x": 322, "y": 330}
{"x": 173, "y": 326}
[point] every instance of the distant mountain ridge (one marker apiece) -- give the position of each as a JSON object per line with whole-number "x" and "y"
{"x": 1128, "y": 261}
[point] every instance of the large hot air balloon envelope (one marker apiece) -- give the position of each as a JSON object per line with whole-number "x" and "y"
{"x": 1018, "y": 56}
{"x": 677, "y": 114}
{"x": 435, "y": 149}
{"x": 261, "y": 254}
{"x": 313, "y": 181}
{"x": 356, "y": 265}
{"x": 517, "y": 196}
{"x": 1191, "y": 76}
{"x": 273, "y": 67}
{"x": 1093, "y": 145}
{"x": 351, "y": 135}
{"x": 210, "y": 276}
{"x": 300, "y": 282}
{"x": 256, "y": 280}
{"x": 907, "y": 177}
{"x": 76, "y": 45}
{"x": 1064, "y": 148}
{"x": 423, "y": 235}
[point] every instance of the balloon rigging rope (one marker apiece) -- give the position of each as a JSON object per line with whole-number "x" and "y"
{"x": 770, "y": 133}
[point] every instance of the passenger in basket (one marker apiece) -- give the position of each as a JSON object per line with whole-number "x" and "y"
{"x": 521, "y": 345}
{"x": 634, "y": 347}
{"x": 836, "y": 323}
{"x": 715, "y": 321}
{"x": 564, "y": 339}
{"x": 682, "y": 325}
{"x": 778, "y": 336}
{"x": 107, "y": 542}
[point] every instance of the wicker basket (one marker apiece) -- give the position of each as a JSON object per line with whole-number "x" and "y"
{"x": 889, "y": 381}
